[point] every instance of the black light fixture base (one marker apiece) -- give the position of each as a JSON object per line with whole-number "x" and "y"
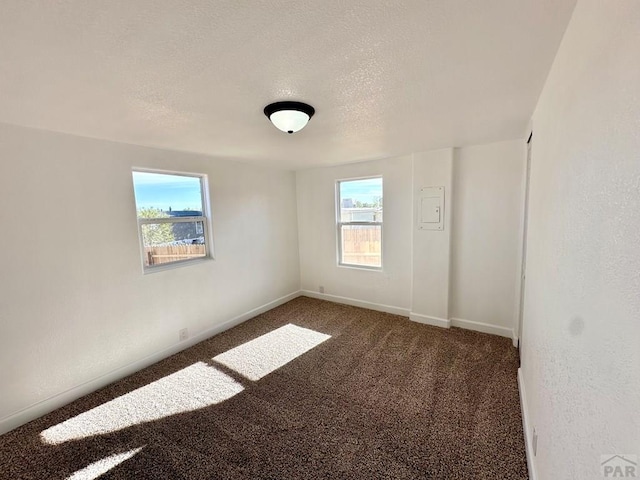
{"x": 289, "y": 105}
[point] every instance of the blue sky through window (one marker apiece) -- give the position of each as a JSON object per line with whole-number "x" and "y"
{"x": 166, "y": 191}
{"x": 367, "y": 190}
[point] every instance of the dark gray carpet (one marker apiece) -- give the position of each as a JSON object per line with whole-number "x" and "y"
{"x": 383, "y": 398}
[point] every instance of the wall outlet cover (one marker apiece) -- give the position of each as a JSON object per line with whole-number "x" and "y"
{"x": 184, "y": 334}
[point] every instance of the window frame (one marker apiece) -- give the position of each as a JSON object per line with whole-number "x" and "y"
{"x": 205, "y": 218}
{"x": 340, "y": 224}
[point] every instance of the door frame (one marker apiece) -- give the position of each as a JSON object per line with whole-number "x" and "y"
{"x": 525, "y": 225}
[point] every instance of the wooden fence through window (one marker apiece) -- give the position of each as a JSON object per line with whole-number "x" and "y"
{"x": 158, "y": 254}
{"x": 362, "y": 245}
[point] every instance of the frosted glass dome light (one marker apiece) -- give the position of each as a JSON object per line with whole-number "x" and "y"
{"x": 290, "y": 117}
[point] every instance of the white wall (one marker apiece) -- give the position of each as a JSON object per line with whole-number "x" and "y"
{"x": 581, "y": 364}
{"x": 74, "y": 304}
{"x": 486, "y": 238}
{"x": 432, "y": 248}
{"x": 467, "y": 273}
{"x": 318, "y": 241}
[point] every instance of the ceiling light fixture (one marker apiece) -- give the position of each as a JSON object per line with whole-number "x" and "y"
{"x": 288, "y": 116}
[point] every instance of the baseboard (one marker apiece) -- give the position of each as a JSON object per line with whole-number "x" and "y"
{"x": 426, "y": 319}
{"x": 516, "y": 340}
{"x": 526, "y": 424}
{"x": 43, "y": 407}
{"x": 357, "y": 303}
{"x": 418, "y": 317}
{"x": 482, "y": 327}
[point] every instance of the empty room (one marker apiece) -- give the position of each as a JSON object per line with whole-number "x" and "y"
{"x": 319, "y": 239}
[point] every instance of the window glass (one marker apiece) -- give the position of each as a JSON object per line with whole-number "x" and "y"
{"x": 360, "y": 222}
{"x": 171, "y": 217}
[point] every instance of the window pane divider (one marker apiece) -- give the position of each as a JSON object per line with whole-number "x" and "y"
{"x": 146, "y": 221}
{"x": 359, "y": 223}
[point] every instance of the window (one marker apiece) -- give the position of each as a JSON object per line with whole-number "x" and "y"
{"x": 172, "y": 218}
{"x": 359, "y": 218}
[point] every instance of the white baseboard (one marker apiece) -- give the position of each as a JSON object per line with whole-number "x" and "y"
{"x": 482, "y": 327}
{"x": 52, "y": 403}
{"x": 515, "y": 339}
{"x": 426, "y": 319}
{"x": 526, "y": 425}
{"x": 417, "y": 317}
{"x": 357, "y": 303}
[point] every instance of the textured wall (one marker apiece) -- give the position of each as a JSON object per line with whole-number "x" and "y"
{"x": 432, "y": 248}
{"x": 74, "y": 303}
{"x": 581, "y": 360}
{"x": 486, "y": 238}
{"x": 481, "y": 239}
{"x": 317, "y": 232}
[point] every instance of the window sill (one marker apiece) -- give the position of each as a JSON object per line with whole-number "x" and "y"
{"x": 360, "y": 267}
{"x": 173, "y": 265}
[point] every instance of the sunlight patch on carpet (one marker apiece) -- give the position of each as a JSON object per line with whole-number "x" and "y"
{"x": 192, "y": 388}
{"x": 102, "y": 466}
{"x": 268, "y": 352}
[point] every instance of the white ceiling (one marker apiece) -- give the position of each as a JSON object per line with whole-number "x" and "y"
{"x": 386, "y": 77}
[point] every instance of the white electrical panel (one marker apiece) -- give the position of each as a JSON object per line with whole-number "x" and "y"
{"x": 431, "y": 208}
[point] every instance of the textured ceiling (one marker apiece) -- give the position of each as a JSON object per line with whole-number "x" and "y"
{"x": 386, "y": 77}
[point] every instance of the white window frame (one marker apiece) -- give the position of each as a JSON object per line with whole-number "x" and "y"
{"x": 340, "y": 224}
{"x": 204, "y": 218}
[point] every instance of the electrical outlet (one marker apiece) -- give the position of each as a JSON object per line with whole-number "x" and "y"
{"x": 321, "y": 289}
{"x": 184, "y": 334}
{"x": 534, "y": 442}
